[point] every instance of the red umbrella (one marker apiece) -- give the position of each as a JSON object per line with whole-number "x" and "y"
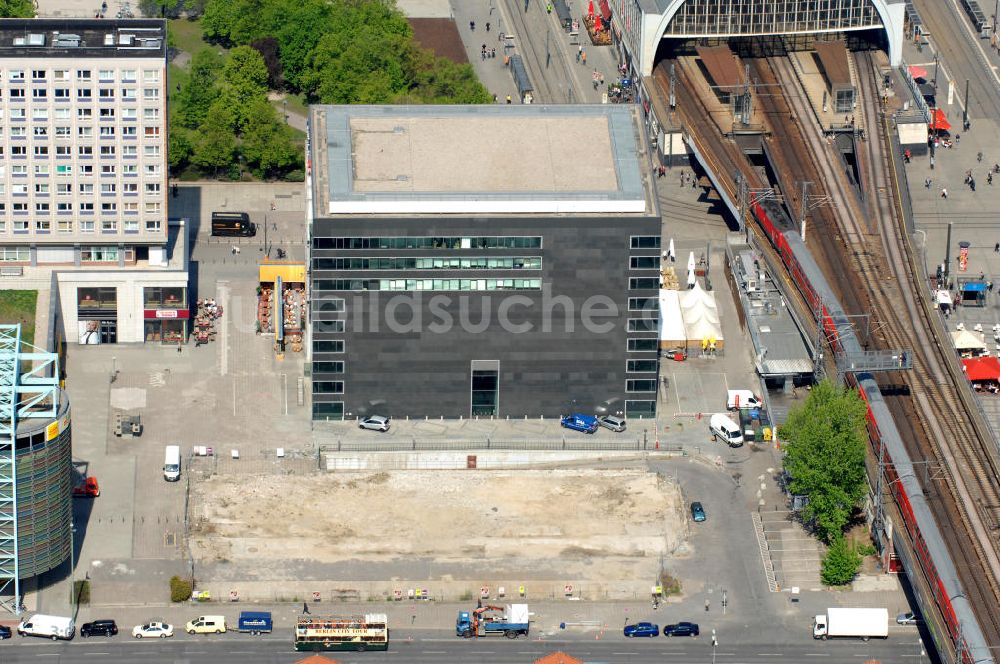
{"x": 590, "y": 9}
{"x": 597, "y": 24}
{"x": 917, "y": 71}
{"x": 939, "y": 121}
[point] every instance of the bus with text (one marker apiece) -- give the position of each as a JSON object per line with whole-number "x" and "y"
{"x": 329, "y": 633}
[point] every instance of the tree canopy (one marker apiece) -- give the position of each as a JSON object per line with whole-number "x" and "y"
{"x": 825, "y": 456}
{"x": 17, "y": 9}
{"x": 343, "y": 51}
{"x": 221, "y": 113}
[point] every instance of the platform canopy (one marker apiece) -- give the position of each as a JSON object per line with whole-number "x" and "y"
{"x": 722, "y": 65}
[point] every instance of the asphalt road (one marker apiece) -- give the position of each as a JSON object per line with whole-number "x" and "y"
{"x": 239, "y": 649}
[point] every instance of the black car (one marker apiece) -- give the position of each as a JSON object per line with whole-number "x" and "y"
{"x": 4, "y": 632}
{"x": 681, "y": 629}
{"x": 99, "y": 628}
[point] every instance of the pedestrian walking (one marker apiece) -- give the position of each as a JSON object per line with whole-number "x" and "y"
{"x": 996, "y": 248}
{"x": 996, "y": 168}
{"x": 487, "y": 26}
{"x": 305, "y": 608}
{"x": 972, "y": 185}
{"x": 237, "y": 251}
{"x": 944, "y": 192}
{"x": 927, "y": 183}
{"x": 494, "y": 98}
{"x": 232, "y": 250}
{"x": 493, "y": 53}
{"x": 472, "y": 26}
{"x": 602, "y": 79}
{"x": 583, "y": 58}
{"x": 979, "y": 156}
{"x": 989, "y": 178}
{"x": 508, "y": 99}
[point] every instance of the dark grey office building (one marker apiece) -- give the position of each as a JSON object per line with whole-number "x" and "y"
{"x": 482, "y": 261}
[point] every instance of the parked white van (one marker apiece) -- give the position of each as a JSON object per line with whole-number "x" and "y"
{"x": 724, "y": 428}
{"x": 740, "y": 399}
{"x": 172, "y": 463}
{"x": 206, "y": 625}
{"x": 49, "y": 627}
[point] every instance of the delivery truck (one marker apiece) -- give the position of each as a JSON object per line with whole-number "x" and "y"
{"x": 232, "y": 224}
{"x": 861, "y": 624}
{"x": 510, "y": 621}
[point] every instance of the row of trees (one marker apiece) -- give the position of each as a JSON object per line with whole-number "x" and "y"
{"x": 221, "y": 117}
{"x": 825, "y": 459}
{"x": 341, "y": 51}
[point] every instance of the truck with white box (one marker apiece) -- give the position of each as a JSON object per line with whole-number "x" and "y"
{"x": 861, "y": 624}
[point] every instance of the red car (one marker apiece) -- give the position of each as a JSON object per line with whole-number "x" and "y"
{"x": 89, "y": 489}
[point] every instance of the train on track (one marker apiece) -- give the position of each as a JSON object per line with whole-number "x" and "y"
{"x": 931, "y": 553}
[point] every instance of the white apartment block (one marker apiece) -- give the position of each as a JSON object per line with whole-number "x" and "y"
{"x": 83, "y": 169}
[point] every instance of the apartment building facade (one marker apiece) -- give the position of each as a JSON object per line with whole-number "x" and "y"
{"x": 83, "y": 174}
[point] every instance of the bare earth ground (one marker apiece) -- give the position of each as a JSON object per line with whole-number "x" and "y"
{"x": 598, "y": 525}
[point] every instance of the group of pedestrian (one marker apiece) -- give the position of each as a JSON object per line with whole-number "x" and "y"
{"x": 488, "y": 52}
{"x": 969, "y": 180}
{"x": 686, "y": 177}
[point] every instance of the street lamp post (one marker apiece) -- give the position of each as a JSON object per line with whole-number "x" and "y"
{"x": 72, "y": 565}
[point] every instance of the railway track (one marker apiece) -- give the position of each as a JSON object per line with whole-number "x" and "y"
{"x": 534, "y": 59}
{"x": 874, "y": 273}
{"x": 937, "y": 418}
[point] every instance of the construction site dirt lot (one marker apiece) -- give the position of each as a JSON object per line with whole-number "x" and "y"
{"x": 586, "y": 525}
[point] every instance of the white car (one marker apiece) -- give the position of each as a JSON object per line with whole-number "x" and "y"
{"x": 375, "y": 423}
{"x": 152, "y": 629}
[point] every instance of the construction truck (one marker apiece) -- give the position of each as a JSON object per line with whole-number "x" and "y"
{"x": 510, "y": 621}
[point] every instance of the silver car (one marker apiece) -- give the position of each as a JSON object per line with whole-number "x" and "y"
{"x": 375, "y": 423}
{"x": 616, "y": 424}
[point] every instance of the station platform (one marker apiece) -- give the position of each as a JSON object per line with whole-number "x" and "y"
{"x": 720, "y": 112}
{"x": 807, "y": 68}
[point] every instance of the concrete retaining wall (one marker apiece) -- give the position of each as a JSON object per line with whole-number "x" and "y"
{"x": 375, "y": 461}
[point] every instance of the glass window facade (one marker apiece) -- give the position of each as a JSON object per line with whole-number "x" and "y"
{"x": 320, "y": 285}
{"x": 428, "y": 263}
{"x": 770, "y": 17}
{"x": 421, "y": 242}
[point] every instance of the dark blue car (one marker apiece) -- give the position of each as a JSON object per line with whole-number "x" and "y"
{"x": 584, "y": 423}
{"x": 642, "y": 629}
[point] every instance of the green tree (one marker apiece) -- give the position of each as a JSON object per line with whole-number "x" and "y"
{"x": 215, "y": 146}
{"x": 825, "y": 456}
{"x": 440, "y": 81}
{"x": 201, "y": 89}
{"x": 268, "y": 144}
{"x": 841, "y": 562}
{"x": 180, "y": 147}
{"x": 17, "y": 9}
{"x": 244, "y": 82}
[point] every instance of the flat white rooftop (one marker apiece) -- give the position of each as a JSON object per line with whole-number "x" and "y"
{"x": 479, "y": 160}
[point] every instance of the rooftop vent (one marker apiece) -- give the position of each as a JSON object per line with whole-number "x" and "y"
{"x": 36, "y": 39}
{"x": 109, "y": 40}
{"x": 20, "y": 41}
{"x": 66, "y": 41}
{"x": 126, "y": 40}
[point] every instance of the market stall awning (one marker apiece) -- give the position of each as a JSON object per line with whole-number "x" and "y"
{"x": 939, "y": 121}
{"x": 965, "y": 340}
{"x": 982, "y": 368}
{"x": 974, "y": 286}
{"x": 290, "y": 273}
{"x": 605, "y": 10}
{"x": 916, "y": 71}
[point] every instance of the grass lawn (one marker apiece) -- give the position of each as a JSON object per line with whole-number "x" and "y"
{"x": 187, "y": 35}
{"x": 18, "y": 306}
